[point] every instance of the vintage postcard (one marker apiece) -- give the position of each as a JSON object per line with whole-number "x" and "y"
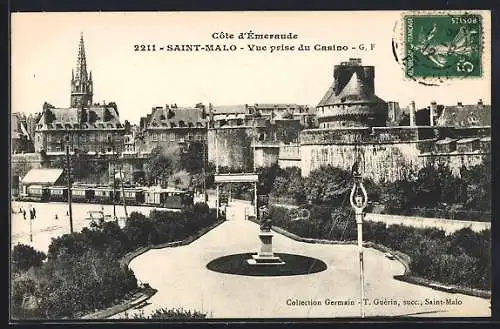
{"x": 250, "y": 165}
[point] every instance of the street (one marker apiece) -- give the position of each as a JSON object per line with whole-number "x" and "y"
{"x": 46, "y": 226}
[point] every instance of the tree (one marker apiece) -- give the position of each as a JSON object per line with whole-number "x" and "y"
{"x": 24, "y": 257}
{"x": 180, "y": 179}
{"x": 327, "y": 184}
{"x": 477, "y": 185}
{"x": 161, "y": 163}
{"x": 20, "y": 167}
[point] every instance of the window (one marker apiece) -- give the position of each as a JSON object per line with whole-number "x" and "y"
{"x": 171, "y": 136}
{"x": 154, "y": 137}
{"x": 48, "y": 138}
{"x": 108, "y": 137}
{"x": 163, "y": 136}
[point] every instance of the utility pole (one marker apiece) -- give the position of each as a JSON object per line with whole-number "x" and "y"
{"x": 68, "y": 169}
{"x": 359, "y": 200}
{"x": 123, "y": 192}
{"x": 216, "y": 172}
{"x": 254, "y": 132}
{"x": 205, "y": 141}
{"x": 114, "y": 181}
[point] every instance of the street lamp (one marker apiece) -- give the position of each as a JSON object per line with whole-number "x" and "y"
{"x": 359, "y": 200}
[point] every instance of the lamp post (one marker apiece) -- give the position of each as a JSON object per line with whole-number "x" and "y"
{"x": 359, "y": 200}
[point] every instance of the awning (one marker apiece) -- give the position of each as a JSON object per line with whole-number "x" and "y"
{"x": 236, "y": 178}
{"x": 42, "y": 176}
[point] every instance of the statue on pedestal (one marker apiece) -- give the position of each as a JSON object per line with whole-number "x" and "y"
{"x": 265, "y": 219}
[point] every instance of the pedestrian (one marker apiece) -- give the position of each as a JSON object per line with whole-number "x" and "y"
{"x": 24, "y": 214}
{"x": 57, "y": 217}
{"x": 20, "y": 210}
{"x": 34, "y": 213}
{"x": 67, "y": 213}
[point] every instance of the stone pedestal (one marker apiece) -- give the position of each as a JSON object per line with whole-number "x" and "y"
{"x": 265, "y": 256}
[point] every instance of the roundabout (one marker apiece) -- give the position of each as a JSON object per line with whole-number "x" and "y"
{"x": 294, "y": 265}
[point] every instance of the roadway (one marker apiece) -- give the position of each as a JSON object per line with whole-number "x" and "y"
{"x": 46, "y": 226}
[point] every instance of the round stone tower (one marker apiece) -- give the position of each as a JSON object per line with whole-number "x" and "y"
{"x": 351, "y": 100}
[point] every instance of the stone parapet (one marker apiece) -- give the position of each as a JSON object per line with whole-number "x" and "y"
{"x": 382, "y": 135}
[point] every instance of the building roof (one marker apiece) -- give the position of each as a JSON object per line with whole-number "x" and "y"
{"x": 351, "y": 92}
{"x": 445, "y": 141}
{"x": 42, "y": 176}
{"x": 230, "y": 109}
{"x": 467, "y": 140}
{"x": 93, "y": 117}
{"x": 179, "y": 117}
{"x": 18, "y": 128}
{"x": 465, "y": 116}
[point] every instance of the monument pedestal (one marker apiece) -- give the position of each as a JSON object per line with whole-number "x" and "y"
{"x": 265, "y": 256}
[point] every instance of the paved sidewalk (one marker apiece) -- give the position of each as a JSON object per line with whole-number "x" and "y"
{"x": 182, "y": 280}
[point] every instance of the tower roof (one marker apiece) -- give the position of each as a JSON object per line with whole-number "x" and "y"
{"x": 81, "y": 62}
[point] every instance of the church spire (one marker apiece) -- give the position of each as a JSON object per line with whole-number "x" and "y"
{"x": 81, "y": 61}
{"x": 81, "y": 85}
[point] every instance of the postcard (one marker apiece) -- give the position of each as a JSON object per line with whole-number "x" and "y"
{"x": 250, "y": 165}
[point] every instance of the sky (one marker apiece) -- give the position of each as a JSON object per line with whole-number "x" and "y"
{"x": 44, "y": 48}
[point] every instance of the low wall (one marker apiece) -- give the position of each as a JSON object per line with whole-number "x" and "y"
{"x": 447, "y": 225}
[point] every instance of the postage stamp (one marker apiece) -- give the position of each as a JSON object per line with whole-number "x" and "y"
{"x": 443, "y": 45}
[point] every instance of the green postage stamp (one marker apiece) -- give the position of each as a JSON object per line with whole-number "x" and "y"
{"x": 443, "y": 45}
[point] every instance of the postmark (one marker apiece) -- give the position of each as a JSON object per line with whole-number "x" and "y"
{"x": 433, "y": 47}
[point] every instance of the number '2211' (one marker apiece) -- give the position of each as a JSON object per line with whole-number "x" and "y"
{"x": 144, "y": 47}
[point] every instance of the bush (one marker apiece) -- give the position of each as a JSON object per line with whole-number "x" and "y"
{"x": 24, "y": 257}
{"x": 462, "y": 258}
{"x": 170, "y": 314}
{"x": 83, "y": 271}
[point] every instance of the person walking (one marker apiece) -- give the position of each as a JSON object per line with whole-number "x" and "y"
{"x": 24, "y": 214}
{"x": 34, "y": 213}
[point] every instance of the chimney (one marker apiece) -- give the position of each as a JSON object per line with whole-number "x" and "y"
{"x": 480, "y": 103}
{"x": 432, "y": 112}
{"x": 412, "y": 113}
{"x": 459, "y": 104}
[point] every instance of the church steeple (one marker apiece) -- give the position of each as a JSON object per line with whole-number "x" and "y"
{"x": 81, "y": 82}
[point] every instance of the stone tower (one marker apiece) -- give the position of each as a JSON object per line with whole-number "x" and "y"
{"x": 351, "y": 100}
{"x": 81, "y": 80}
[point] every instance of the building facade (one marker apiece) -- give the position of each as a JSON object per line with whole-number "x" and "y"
{"x": 85, "y": 126}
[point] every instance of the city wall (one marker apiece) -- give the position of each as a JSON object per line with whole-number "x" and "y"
{"x": 385, "y": 153}
{"x": 234, "y": 147}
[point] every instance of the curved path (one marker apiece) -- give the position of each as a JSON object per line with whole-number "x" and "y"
{"x": 182, "y": 280}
